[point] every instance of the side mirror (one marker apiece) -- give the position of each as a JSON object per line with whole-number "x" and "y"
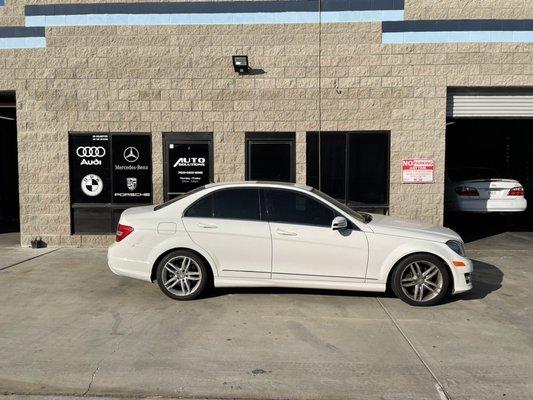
{"x": 339, "y": 223}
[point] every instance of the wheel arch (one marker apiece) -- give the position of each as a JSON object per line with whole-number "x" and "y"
{"x": 153, "y": 273}
{"x": 450, "y": 272}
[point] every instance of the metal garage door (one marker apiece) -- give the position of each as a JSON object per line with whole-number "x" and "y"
{"x": 490, "y": 102}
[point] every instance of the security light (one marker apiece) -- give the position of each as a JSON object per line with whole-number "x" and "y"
{"x": 240, "y": 64}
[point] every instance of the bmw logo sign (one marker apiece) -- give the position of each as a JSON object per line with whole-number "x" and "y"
{"x": 92, "y": 185}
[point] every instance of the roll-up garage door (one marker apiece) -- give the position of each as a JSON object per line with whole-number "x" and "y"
{"x": 490, "y": 103}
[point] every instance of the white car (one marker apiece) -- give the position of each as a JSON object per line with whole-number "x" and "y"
{"x": 257, "y": 234}
{"x": 481, "y": 190}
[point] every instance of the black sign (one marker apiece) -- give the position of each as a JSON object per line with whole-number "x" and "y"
{"x": 188, "y": 166}
{"x": 90, "y": 158}
{"x": 132, "y": 169}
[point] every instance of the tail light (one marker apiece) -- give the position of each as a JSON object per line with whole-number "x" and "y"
{"x": 123, "y": 231}
{"x": 466, "y": 191}
{"x": 516, "y": 191}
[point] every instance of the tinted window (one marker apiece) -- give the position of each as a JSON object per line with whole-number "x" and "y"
{"x": 270, "y": 161}
{"x": 237, "y": 204}
{"x": 297, "y": 208}
{"x": 353, "y": 167}
{"x": 228, "y": 204}
{"x": 203, "y": 208}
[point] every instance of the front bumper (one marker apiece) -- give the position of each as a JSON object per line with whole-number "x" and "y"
{"x": 462, "y": 276}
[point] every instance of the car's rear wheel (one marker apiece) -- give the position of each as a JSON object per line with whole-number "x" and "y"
{"x": 182, "y": 275}
{"x": 421, "y": 280}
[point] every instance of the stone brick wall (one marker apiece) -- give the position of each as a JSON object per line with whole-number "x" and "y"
{"x": 163, "y": 79}
{"x": 468, "y": 9}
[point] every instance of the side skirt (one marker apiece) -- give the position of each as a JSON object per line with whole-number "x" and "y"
{"x": 304, "y": 284}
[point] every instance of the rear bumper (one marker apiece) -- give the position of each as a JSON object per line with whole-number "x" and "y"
{"x": 518, "y": 204}
{"x": 120, "y": 264}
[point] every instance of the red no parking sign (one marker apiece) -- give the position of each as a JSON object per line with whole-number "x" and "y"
{"x": 418, "y": 171}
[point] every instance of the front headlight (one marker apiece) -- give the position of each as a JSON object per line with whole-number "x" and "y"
{"x": 456, "y": 246}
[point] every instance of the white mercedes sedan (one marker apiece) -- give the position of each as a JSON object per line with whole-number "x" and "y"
{"x": 265, "y": 234}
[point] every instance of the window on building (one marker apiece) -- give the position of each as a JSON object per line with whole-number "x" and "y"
{"x": 353, "y": 167}
{"x": 187, "y": 162}
{"x": 271, "y": 156}
{"x": 108, "y": 173}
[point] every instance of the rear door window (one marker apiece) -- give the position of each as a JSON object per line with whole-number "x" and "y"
{"x": 238, "y": 204}
{"x": 203, "y": 208}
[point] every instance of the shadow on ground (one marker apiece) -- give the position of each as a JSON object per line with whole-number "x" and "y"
{"x": 486, "y": 278}
{"x": 309, "y": 292}
{"x": 472, "y": 226}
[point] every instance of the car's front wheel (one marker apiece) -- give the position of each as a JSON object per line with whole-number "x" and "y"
{"x": 182, "y": 275}
{"x": 421, "y": 280}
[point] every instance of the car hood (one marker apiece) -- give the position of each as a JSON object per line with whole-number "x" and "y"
{"x": 386, "y": 225}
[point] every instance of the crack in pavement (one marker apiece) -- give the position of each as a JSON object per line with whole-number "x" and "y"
{"x": 443, "y": 394}
{"x": 99, "y": 364}
{"x": 117, "y": 348}
{"x": 92, "y": 378}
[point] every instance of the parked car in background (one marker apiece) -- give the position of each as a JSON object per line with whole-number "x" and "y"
{"x": 482, "y": 190}
{"x": 256, "y": 234}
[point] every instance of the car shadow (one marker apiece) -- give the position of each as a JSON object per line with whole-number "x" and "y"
{"x": 486, "y": 278}
{"x": 218, "y": 292}
{"x": 472, "y": 226}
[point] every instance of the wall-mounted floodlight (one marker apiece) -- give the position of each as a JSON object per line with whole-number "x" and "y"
{"x": 240, "y": 64}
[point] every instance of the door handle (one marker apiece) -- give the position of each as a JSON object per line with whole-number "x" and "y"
{"x": 207, "y": 226}
{"x": 286, "y": 233}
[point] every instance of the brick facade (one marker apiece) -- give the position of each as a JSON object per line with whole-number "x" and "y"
{"x": 179, "y": 78}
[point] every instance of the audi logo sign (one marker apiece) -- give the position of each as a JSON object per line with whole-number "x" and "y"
{"x": 90, "y": 151}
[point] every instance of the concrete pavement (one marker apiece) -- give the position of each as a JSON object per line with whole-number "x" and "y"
{"x": 12, "y": 254}
{"x": 69, "y": 327}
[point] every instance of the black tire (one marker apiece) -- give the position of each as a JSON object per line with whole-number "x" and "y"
{"x": 403, "y": 269}
{"x": 164, "y": 275}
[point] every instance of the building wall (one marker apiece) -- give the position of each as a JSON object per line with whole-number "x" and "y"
{"x": 468, "y": 9}
{"x": 179, "y": 78}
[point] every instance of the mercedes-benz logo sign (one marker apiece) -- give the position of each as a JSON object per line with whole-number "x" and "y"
{"x": 131, "y": 154}
{"x": 90, "y": 151}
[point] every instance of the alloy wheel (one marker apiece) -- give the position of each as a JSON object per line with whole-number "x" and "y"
{"x": 421, "y": 281}
{"x": 181, "y": 276}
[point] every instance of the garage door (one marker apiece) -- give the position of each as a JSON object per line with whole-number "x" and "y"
{"x": 490, "y": 102}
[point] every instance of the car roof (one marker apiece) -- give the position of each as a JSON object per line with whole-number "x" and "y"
{"x": 260, "y": 183}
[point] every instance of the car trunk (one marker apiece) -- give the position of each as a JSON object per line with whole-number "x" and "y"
{"x": 491, "y": 188}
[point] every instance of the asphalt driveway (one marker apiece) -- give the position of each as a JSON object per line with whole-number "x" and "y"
{"x": 68, "y": 326}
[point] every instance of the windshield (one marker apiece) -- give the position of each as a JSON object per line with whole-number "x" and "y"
{"x": 181, "y": 196}
{"x": 357, "y": 215}
{"x": 467, "y": 174}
